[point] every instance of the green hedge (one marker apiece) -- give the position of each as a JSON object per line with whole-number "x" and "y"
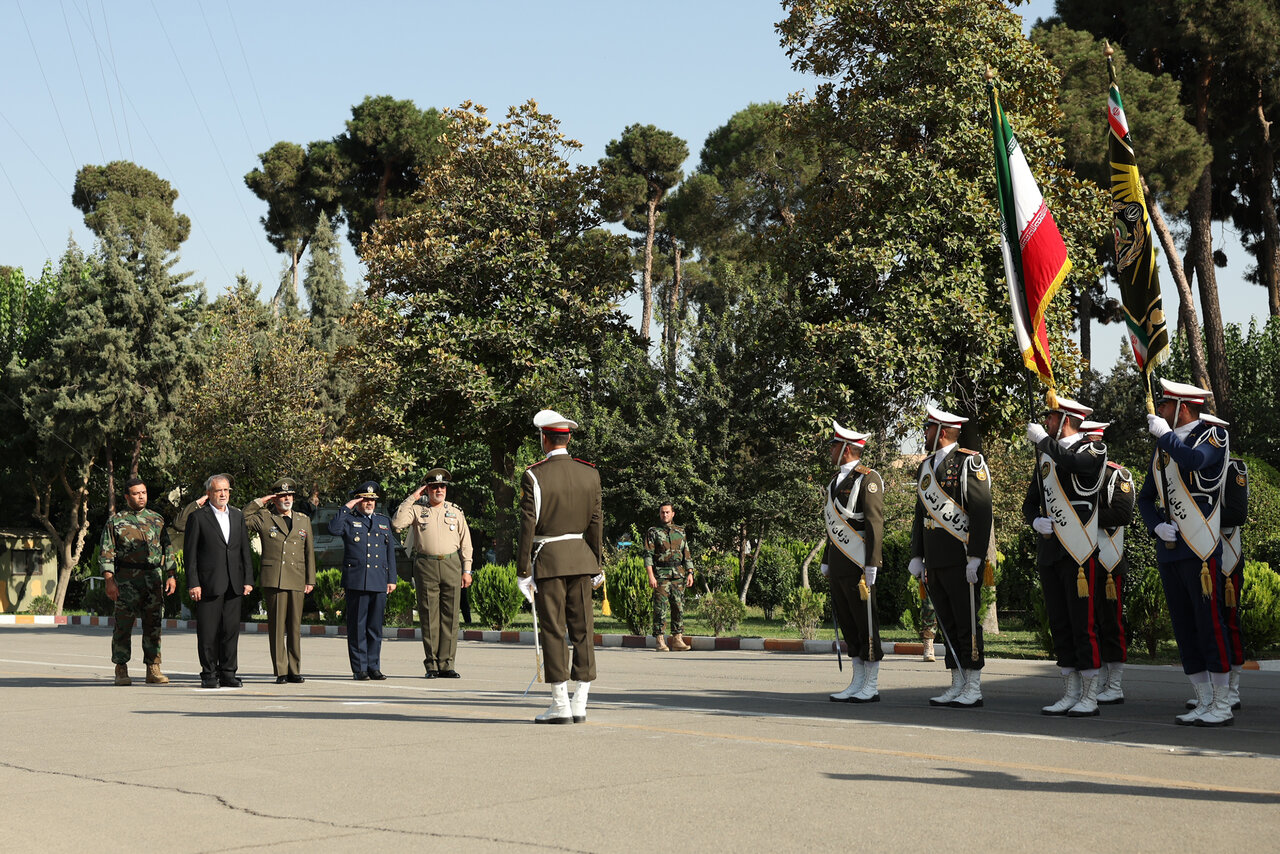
{"x": 495, "y": 595}
{"x": 1260, "y": 609}
{"x": 630, "y": 596}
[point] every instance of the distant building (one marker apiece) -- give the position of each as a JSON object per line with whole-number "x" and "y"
{"x": 28, "y": 568}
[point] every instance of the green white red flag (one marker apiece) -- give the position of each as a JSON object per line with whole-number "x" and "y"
{"x": 1135, "y": 253}
{"x": 1035, "y": 258}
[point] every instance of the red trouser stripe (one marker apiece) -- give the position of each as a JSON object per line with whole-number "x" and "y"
{"x": 1095, "y": 658}
{"x": 1219, "y": 632}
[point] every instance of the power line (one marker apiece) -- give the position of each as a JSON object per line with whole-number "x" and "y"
{"x": 34, "y": 154}
{"x": 124, "y": 115}
{"x": 231, "y": 89}
{"x": 253, "y": 81}
{"x": 102, "y": 70}
{"x": 27, "y": 213}
{"x": 88, "y": 102}
{"x": 48, "y": 88}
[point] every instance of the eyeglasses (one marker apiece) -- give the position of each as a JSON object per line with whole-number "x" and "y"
{"x": 438, "y": 486}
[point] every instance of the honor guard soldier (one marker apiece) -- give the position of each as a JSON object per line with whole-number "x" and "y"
{"x": 288, "y": 572}
{"x": 439, "y": 542}
{"x": 558, "y": 562}
{"x": 135, "y": 553}
{"x": 1115, "y": 511}
{"x": 1181, "y": 504}
{"x": 1235, "y": 512}
{"x": 854, "y": 518}
{"x": 368, "y": 575}
{"x": 949, "y": 539}
{"x": 670, "y": 568}
{"x": 1062, "y": 506}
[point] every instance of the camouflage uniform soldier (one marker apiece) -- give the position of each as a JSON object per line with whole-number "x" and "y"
{"x": 670, "y": 567}
{"x": 135, "y": 551}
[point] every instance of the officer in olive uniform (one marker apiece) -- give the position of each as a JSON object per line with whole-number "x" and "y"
{"x": 135, "y": 552}
{"x": 949, "y": 538}
{"x": 558, "y": 562}
{"x": 670, "y": 568}
{"x": 1062, "y": 506}
{"x": 1181, "y": 504}
{"x": 368, "y": 575}
{"x": 1115, "y": 511}
{"x": 288, "y": 572}
{"x": 854, "y": 516}
{"x": 440, "y": 543}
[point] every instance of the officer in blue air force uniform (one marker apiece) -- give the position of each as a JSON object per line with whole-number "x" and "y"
{"x": 368, "y": 575}
{"x": 1181, "y": 503}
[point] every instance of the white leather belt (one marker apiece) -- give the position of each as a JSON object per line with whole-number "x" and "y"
{"x": 543, "y": 539}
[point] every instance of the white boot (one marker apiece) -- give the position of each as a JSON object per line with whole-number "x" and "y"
{"x": 855, "y": 683}
{"x": 1233, "y": 690}
{"x": 1204, "y": 699}
{"x": 956, "y": 689}
{"x": 1087, "y": 705}
{"x": 1072, "y": 688}
{"x": 971, "y": 696}
{"x": 578, "y": 706}
{"x": 558, "y": 712}
{"x": 871, "y": 678}
{"x": 1219, "y": 711}
{"x": 928, "y": 650}
{"x": 1112, "y": 694}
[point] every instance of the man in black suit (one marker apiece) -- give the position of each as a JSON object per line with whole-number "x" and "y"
{"x": 219, "y": 570}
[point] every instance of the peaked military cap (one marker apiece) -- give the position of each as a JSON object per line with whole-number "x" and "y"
{"x": 945, "y": 419}
{"x": 437, "y": 476}
{"x": 553, "y": 422}
{"x": 368, "y": 489}
{"x": 1067, "y": 406}
{"x": 1094, "y": 428}
{"x": 1214, "y": 420}
{"x": 285, "y": 486}
{"x": 844, "y": 434}
{"x": 1183, "y": 392}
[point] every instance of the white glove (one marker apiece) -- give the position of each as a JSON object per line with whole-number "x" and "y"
{"x": 1042, "y": 525}
{"x": 869, "y": 573}
{"x": 825, "y": 570}
{"x": 597, "y": 580}
{"x": 1035, "y": 433}
{"x": 916, "y": 567}
{"x": 1157, "y": 426}
{"x": 527, "y": 587}
{"x": 971, "y": 570}
{"x": 1167, "y": 531}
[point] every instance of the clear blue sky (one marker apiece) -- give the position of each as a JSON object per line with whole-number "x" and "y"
{"x": 195, "y": 91}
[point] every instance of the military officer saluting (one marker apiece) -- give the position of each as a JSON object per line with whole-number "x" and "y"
{"x": 1062, "y": 506}
{"x": 670, "y": 568}
{"x": 949, "y": 538}
{"x": 440, "y": 545}
{"x": 854, "y": 517}
{"x": 288, "y": 572}
{"x": 1116, "y": 501}
{"x": 368, "y": 575}
{"x": 135, "y": 552}
{"x": 1181, "y": 504}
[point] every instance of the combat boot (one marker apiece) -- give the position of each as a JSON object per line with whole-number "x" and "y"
{"x": 1219, "y": 711}
{"x": 154, "y": 676}
{"x": 122, "y": 675}
{"x": 855, "y": 683}
{"x": 677, "y": 642}
{"x": 928, "y": 649}
{"x": 558, "y": 712}
{"x": 661, "y": 644}
{"x": 1072, "y": 688}
{"x": 1087, "y": 705}
{"x": 869, "y": 692}
{"x": 956, "y": 689}
{"x": 1112, "y": 694}
{"x": 971, "y": 695}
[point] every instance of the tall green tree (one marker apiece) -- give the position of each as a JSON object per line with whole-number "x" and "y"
{"x": 329, "y": 300}
{"x": 383, "y": 151}
{"x": 639, "y": 168}
{"x": 299, "y": 189}
{"x": 136, "y": 198}
{"x": 895, "y": 261}
{"x": 486, "y": 304}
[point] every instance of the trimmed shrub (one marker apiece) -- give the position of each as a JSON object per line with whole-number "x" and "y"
{"x": 892, "y": 596}
{"x": 328, "y": 592}
{"x": 804, "y": 611}
{"x": 777, "y": 574}
{"x": 630, "y": 595}
{"x": 1146, "y": 611}
{"x": 495, "y": 594}
{"x": 1260, "y": 608}
{"x": 400, "y": 605}
{"x": 41, "y": 605}
{"x": 722, "y": 611}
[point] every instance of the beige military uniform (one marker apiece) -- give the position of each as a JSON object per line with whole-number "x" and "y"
{"x": 440, "y": 543}
{"x": 288, "y": 566}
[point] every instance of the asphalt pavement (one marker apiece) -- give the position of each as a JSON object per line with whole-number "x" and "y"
{"x": 694, "y": 751}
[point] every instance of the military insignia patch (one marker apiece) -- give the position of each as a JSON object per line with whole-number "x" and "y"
{"x": 1242, "y": 480}
{"x": 981, "y": 474}
{"x": 1044, "y": 470}
{"x": 1124, "y": 486}
{"x": 1215, "y": 439}
{"x": 925, "y": 481}
{"x": 871, "y": 487}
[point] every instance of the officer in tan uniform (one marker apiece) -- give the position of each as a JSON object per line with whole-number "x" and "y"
{"x": 440, "y": 544}
{"x": 558, "y": 561}
{"x": 288, "y": 572}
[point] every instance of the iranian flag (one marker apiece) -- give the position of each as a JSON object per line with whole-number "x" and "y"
{"x": 1035, "y": 258}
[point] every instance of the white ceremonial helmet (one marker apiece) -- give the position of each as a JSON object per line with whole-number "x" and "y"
{"x": 550, "y": 421}
{"x": 846, "y": 436}
{"x": 941, "y": 418}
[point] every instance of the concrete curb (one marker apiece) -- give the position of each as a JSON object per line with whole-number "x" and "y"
{"x": 699, "y": 643}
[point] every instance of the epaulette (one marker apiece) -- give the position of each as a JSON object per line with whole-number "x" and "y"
{"x": 1217, "y": 437}
{"x": 584, "y": 462}
{"x": 966, "y": 451}
{"x": 861, "y": 469}
{"x": 538, "y": 463}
